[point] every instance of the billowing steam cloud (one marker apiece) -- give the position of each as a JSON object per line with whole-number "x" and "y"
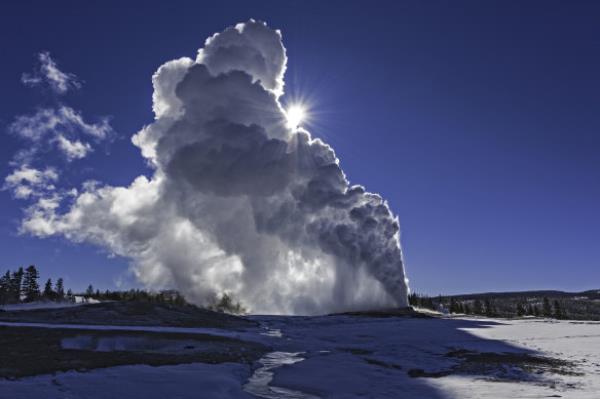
{"x": 239, "y": 202}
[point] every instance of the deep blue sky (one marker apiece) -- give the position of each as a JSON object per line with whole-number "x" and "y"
{"x": 478, "y": 121}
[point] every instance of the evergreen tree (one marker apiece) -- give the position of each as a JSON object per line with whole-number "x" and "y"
{"x": 31, "y": 289}
{"x": 521, "y": 309}
{"x": 467, "y": 308}
{"x": 70, "y": 296}
{"x": 557, "y": 310}
{"x": 477, "y": 307}
{"x": 5, "y": 288}
{"x": 89, "y": 292}
{"x": 536, "y": 311}
{"x": 16, "y": 283}
{"x": 490, "y": 310}
{"x": 60, "y": 289}
{"x": 413, "y": 299}
{"x": 226, "y": 304}
{"x": 530, "y": 310}
{"x": 547, "y": 308}
{"x": 453, "y": 306}
{"x": 179, "y": 300}
{"x": 48, "y": 291}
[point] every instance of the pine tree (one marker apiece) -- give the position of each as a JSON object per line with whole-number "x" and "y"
{"x": 48, "y": 291}
{"x": 477, "y": 307}
{"x": 530, "y": 310}
{"x": 467, "y": 308}
{"x": 536, "y": 311}
{"x": 520, "y": 309}
{"x": 547, "y": 308}
{"x": 31, "y": 289}
{"x": 89, "y": 292}
{"x": 413, "y": 299}
{"x": 60, "y": 289}
{"x": 70, "y": 296}
{"x": 557, "y": 310}
{"x": 5, "y": 288}
{"x": 489, "y": 307}
{"x": 453, "y": 306}
{"x": 16, "y": 283}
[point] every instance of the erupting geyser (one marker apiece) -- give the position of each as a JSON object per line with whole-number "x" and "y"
{"x": 242, "y": 198}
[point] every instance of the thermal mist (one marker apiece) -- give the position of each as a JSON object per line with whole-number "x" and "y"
{"x": 239, "y": 200}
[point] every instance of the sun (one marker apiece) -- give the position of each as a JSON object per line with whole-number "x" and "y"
{"x": 295, "y": 115}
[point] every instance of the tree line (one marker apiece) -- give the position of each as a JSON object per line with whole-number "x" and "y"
{"x": 22, "y": 285}
{"x": 166, "y": 296}
{"x": 490, "y": 307}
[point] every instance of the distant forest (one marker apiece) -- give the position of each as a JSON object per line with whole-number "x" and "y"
{"x": 549, "y": 304}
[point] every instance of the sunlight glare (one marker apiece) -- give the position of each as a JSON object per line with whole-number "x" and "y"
{"x": 295, "y": 115}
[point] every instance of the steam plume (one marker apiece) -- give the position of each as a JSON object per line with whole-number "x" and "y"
{"x": 238, "y": 201}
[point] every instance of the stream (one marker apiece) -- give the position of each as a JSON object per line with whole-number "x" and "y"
{"x": 258, "y": 383}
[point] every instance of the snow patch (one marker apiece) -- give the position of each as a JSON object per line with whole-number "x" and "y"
{"x": 218, "y": 381}
{"x": 41, "y": 305}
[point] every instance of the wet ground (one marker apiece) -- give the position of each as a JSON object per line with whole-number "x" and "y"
{"x": 28, "y": 351}
{"x": 284, "y": 357}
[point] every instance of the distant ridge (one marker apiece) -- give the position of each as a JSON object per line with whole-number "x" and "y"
{"x": 583, "y": 305}
{"x": 590, "y": 294}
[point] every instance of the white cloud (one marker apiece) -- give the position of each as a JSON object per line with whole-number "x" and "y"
{"x": 49, "y": 121}
{"x": 26, "y": 182}
{"x": 73, "y": 149}
{"x": 250, "y": 48}
{"x": 238, "y": 201}
{"x": 47, "y": 72}
{"x": 165, "y": 103}
{"x": 62, "y": 127}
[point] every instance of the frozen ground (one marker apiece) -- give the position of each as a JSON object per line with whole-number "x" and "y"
{"x": 363, "y": 357}
{"x": 248, "y": 335}
{"x": 219, "y": 381}
{"x": 42, "y": 305}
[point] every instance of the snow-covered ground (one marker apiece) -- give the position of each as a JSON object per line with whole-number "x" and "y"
{"x": 248, "y": 335}
{"x": 44, "y": 305}
{"x": 575, "y": 341}
{"x": 219, "y": 381}
{"x": 359, "y": 357}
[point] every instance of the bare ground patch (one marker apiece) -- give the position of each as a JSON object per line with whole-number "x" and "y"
{"x": 27, "y": 351}
{"x": 500, "y": 366}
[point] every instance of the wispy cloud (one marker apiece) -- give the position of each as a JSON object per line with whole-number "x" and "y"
{"x": 63, "y": 128}
{"x": 26, "y": 182}
{"x": 57, "y": 129}
{"x": 73, "y": 149}
{"x": 47, "y": 72}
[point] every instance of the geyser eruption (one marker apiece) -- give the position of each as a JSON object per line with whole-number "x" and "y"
{"x": 241, "y": 201}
